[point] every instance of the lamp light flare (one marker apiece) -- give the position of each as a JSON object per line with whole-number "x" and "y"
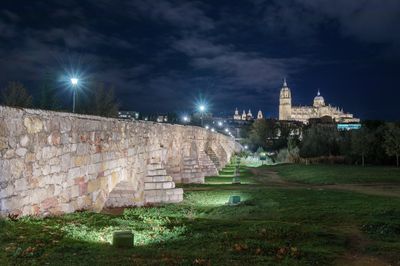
{"x": 74, "y": 81}
{"x": 202, "y": 108}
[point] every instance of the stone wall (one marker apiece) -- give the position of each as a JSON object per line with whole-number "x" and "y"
{"x": 55, "y": 162}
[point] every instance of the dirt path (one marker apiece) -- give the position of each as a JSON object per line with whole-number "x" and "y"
{"x": 271, "y": 178}
{"x": 355, "y": 255}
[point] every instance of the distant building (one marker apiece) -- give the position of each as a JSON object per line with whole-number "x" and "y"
{"x": 244, "y": 116}
{"x": 260, "y": 115}
{"x": 237, "y": 116}
{"x": 131, "y": 115}
{"x": 344, "y": 127}
{"x": 304, "y": 113}
{"x": 162, "y": 118}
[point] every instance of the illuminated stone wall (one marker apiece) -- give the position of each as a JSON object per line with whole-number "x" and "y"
{"x": 55, "y": 162}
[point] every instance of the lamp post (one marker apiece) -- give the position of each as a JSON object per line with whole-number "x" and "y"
{"x": 202, "y": 108}
{"x": 74, "y": 82}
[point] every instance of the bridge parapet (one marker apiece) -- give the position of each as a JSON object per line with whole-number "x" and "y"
{"x": 52, "y": 162}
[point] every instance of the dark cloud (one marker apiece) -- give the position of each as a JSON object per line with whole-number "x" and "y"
{"x": 160, "y": 55}
{"x": 373, "y": 21}
{"x": 183, "y": 14}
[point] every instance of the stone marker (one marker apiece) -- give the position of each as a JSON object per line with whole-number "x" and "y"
{"x": 123, "y": 239}
{"x": 234, "y": 200}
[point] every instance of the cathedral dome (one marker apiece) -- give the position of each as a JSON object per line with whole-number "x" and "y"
{"x": 319, "y": 100}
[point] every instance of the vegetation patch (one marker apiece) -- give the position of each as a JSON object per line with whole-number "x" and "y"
{"x": 337, "y": 174}
{"x": 271, "y": 226}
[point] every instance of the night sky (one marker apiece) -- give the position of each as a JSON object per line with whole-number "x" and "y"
{"x": 163, "y": 55}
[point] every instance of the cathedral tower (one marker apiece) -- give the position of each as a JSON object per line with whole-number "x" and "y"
{"x": 259, "y": 115}
{"x": 285, "y": 102}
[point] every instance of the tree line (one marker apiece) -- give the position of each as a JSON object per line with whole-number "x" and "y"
{"x": 376, "y": 142}
{"x": 95, "y": 99}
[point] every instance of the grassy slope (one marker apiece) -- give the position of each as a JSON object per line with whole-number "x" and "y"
{"x": 271, "y": 226}
{"x": 337, "y": 174}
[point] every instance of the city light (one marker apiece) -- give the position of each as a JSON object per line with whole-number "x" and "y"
{"x": 220, "y": 123}
{"x": 202, "y": 108}
{"x": 207, "y": 127}
{"x": 246, "y": 147}
{"x": 212, "y": 130}
{"x": 74, "y": 81}
{"x": 226, "y": 130}
{"x": 185, "y": 119}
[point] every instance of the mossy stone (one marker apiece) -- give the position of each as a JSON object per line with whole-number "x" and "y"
{"x": 123, "y": 239}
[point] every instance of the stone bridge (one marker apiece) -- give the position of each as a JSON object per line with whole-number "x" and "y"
{"x": 53, "y": 163}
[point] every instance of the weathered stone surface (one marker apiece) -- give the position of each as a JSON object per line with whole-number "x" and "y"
{"x": 52, "y": 162}
{"x": 33, "y": 124}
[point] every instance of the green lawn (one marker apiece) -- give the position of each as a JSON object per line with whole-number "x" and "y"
{"x": 271, "y": 226}
{"x": 337, "y": 174}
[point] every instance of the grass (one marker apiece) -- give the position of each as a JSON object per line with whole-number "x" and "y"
{"x": 271, "y": 226}
{"x": 337, "y": 174}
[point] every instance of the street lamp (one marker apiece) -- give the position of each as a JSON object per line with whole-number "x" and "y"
{"x": 220, "y": 123}
{"x": 202, "y": 109}
{"x": 74, "y": 82}
{"x": 185, "y": 119}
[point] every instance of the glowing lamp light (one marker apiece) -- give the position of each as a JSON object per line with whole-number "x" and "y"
{"x": 236, "y": 180}
{"x": 207, "y": 127}
{"x": 202, "y": 108}
{"x": 74, "y": 81}
{"x": 212, "y": 130}
{"x": 220, "y": 123}
{"x": 185, "y": 118}
{"x": 226, "y": 130}
{"x": 246, "y": 147}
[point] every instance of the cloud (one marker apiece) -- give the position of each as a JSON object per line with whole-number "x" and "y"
{"x": 238, "y": 68}
{"x": 182, "y": 14}
{"x": 370, "y": 21}
{"x": 160, "y": 53}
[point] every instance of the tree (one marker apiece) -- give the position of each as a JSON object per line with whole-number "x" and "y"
{"x": 293, "y": 149}
{"x": 258, "y": 133}
{"x": 48, "y": 98}
{"x": 103, "y": 102}
{"x": 392, "y": 141}
{"x": 361, "y": 141}
{"x": 172, "y": 117}
{"x": 16, "y": 95}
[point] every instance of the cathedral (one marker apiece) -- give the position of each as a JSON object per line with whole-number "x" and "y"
{"x": 303, "y": 113}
